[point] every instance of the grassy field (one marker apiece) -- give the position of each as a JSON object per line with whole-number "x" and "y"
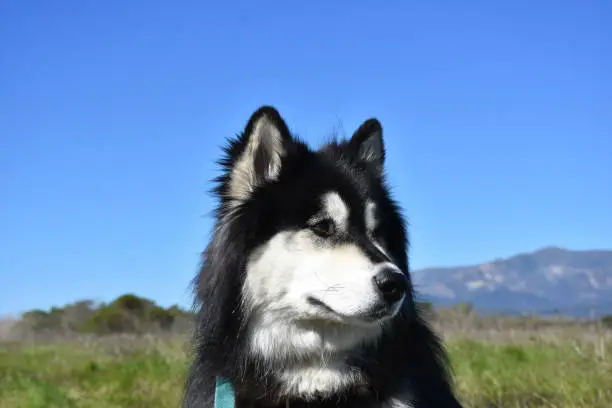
{"x": 149, "y": 371}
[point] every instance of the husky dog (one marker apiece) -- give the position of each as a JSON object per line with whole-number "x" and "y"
{"x": 304, "y": 297}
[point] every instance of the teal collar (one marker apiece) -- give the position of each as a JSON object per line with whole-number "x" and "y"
{"x": 225, "y": 397}
{"x": 224, "y": 394}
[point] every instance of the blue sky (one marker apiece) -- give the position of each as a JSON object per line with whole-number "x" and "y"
{"x": 497, "y": 118}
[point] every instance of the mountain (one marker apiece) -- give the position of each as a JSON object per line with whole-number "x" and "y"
{"x": 545, "y": 281}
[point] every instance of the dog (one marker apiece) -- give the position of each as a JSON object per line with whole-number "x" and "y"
{"x": 304, "y": 297}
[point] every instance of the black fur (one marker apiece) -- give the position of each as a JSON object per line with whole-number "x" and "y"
{"x": 407, "y": 357}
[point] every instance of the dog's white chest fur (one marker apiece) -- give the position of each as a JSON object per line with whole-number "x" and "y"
{"x": 316, "y": 380}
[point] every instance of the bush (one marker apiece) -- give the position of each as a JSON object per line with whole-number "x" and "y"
{"x": 126, "y": 314}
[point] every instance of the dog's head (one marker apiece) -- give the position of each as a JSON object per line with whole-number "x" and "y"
{"x": 324, "y": 245}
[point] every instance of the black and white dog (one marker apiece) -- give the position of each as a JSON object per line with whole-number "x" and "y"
{"x": 304, "y": 296}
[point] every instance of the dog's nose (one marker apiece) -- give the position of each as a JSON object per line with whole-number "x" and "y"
{"x": 391, "y": 284}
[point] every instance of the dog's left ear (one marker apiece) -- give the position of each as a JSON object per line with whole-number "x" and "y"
{"x": 367, "y": 145}
{"x": 263, "y": 145}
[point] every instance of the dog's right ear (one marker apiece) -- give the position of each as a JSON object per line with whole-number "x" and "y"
{"x": 264, "y": 144}
{"x": 367, "y": 145}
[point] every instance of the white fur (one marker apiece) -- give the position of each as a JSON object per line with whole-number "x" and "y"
{"x": 398, "y": 403}
{"x": 336, "y": 209}
{"x": 308, "y": 381}
{"x": 402, "y": 398}
{"x": 371, "y": 222}
{"x": 293, "y": 266}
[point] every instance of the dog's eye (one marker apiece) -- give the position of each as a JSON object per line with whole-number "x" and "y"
{"x": 323, "y": 228}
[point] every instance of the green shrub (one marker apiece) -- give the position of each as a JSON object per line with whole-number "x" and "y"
{"x": 126, "y": 314}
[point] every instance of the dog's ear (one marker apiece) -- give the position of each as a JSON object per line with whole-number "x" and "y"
{"x": 264, "y": 144}
{"x": 367, "y": 145}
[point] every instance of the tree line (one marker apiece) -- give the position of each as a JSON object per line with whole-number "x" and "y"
{"x": 126, "y": 314}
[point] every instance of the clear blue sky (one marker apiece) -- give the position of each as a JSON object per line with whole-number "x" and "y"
{"x": 498, "y": 121}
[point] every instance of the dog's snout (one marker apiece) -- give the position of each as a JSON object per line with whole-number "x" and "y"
{"x": 391, "y": 283}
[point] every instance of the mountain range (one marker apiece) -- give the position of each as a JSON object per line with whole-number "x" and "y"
{"x": 549, "y": 280}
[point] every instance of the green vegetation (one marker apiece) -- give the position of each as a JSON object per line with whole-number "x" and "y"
{"x": 533, "y": 375}
{"x": 606, "y": 321}
{"x": 114, "y": 372}
{"x": 148, "y": 371}
{"x": 126, "y": 314}
{"x": 134, "y": 353}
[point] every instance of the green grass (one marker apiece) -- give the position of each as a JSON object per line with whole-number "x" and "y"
{"x": 533, "y": 375}
{"x": 124, "y": 372}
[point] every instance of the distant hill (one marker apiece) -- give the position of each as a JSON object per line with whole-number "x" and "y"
{"x": 546, "y": 281}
